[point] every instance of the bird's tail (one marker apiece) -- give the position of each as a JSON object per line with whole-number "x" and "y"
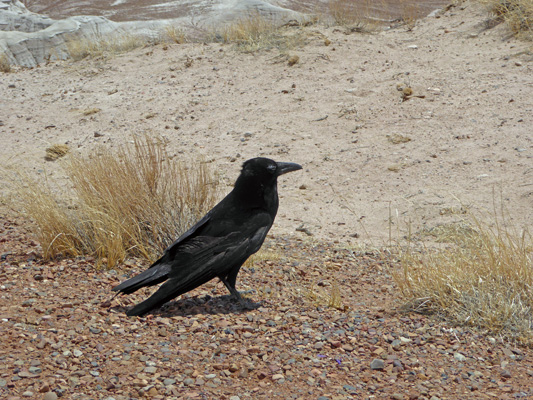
{"x": 157, "y": 273}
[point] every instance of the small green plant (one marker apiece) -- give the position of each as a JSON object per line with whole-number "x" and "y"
{"x": 133, "y": 202}
{"x": 483, "y": 278}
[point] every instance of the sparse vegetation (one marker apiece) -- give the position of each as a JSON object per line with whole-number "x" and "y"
{"x": 326, "y": 294}
{"x": 5, "y": 65}
{"x": 518, "y": 14}
{"x": 350, "y": 14}
{"x": 91, "y": 111}
{"x": 134, "y": 202}
{"x": 483, "y": 278}
{"x": 56, "y": 151}
{"x": 99, "y": 45}
{"x": 256, "y": 32}
{"x": 174, "y": 34}
{"x": 410, "y": 13}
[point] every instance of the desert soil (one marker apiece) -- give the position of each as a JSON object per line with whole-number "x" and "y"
{"x": 460, "y": 141}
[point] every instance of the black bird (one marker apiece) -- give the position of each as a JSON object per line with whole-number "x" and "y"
{"x": 218, "y": 245}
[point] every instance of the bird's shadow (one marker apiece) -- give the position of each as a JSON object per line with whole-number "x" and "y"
{"x": 200, "y": 305}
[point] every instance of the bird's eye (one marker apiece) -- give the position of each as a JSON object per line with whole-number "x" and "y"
{"x": 271, "y": 168}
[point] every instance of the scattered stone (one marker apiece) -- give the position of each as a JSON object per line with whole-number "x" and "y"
{"x": 459, "y": 357}
{"x": 396, "y": 344}
{"x": 505, "y": 374}
{"x": 377, "y": 364}
{"x": 50, "y": 396}
{"x": 150, "y": 370}
{"x": 350, "y": 389}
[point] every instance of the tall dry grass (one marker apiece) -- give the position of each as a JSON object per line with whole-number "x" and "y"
{"x": 483, "y": 278}
{"x": 103, "y": 45}
{"x": 518, "y": 14}
{"x": 254, "y": 32}
{"x": 355, "y": 16}
{"x": 348, "y": 13}
{"x": 174, "y": 34}
{"x": 133, "y": 202}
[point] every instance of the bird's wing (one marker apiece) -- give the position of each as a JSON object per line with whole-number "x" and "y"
{"x": 159, "y": 270}
{"x": 203, "y": 258}
{"x": 192, "y": 230}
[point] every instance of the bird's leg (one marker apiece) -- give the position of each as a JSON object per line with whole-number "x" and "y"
{"x": 231, "y": 280}
{"x": 234, "y": 293}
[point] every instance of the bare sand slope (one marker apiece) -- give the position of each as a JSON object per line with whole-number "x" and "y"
{"x": 338, "y": 112}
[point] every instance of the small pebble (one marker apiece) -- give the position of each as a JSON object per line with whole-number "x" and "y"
{"x": 377, "y": 364}
{"x": 150, "y": 370}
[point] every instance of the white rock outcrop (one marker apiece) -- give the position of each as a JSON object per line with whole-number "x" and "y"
{"x": 29, "y": 39}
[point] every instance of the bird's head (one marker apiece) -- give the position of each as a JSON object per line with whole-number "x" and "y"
{"x": 267, "y": 170}
{"x": 256, "y": 186}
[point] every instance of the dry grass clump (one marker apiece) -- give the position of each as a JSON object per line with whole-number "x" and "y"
{"x": 173, "y": 34}
{"x": 328, "y": 295}
{"x": 351, "y": 14}
{"x": 91, "y": 111}
{"x": 56, "y": 151}
{"x": 518, "y": 14}
{"x": 100, "y": 45}
{"x": 262, "y": 256}
{"x": 483, "y": 278}
{"x": 5, "y": 65}
{"x": 133, "y": 202}
{"x": 255, "y": 32}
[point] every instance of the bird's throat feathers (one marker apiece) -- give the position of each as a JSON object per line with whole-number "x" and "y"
{"x": 256, "y": 193}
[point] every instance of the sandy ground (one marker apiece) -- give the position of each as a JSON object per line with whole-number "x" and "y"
{"x": 322, "y": 320}
{"x": 338, "y": 112}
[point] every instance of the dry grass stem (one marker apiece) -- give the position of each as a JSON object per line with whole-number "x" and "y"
{"x": 256, "y": 32}
{"x": 56, "y": 151}
{"x": 326, "y": 294}
{"x": 353, "y": 15}
{"x": 131, "y": 203}
{"x": 483, "y": 278}
{"x": 100, "y": 45}
{"x": 173, "y": 34}
{"x": 518, "y": 14}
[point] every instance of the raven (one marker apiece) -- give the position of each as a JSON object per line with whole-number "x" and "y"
{"x": 218, "y": 245}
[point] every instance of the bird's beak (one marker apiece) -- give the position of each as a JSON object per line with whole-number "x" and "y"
{"x": 284, "y": 167}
